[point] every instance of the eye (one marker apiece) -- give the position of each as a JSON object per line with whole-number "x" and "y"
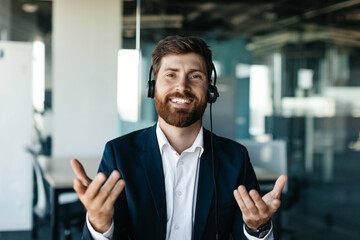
{"x": 170, "y": 75}
{"x": 196, "y": 76}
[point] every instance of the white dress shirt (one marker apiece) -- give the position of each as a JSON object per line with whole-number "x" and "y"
{"x": 181, "y": 180}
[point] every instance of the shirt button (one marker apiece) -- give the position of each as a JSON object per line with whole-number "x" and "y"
{"x": 181, "y": 163}
{"x": 179, "y": 193}
{"x": 177, "y": 227}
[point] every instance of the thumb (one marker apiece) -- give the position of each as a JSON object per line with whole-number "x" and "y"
{"x": 80, "y": 172}
{"x": 279, "y": 185}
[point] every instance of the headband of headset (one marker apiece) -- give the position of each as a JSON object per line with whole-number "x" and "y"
{"x": 212, "y": 92}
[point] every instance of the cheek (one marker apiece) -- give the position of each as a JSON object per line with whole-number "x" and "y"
{"x": 162, "y": 88}
{"x": 203, "y": 91}
{"x": 161, "y": 93}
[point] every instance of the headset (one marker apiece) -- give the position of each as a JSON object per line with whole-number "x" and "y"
{"x": 212, "y": 95}
{"x": 212, "y": 92}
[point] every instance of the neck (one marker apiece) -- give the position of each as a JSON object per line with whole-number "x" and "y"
{"x": 180, "y": 138}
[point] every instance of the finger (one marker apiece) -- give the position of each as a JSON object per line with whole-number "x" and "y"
{"x": 259, "y": 202}
{"x": 80, "y": 172}
{"x": 79, "y": 187}
{"x": 118, "y": 188}
{"x": 240, "y": 202}
{"x": 95, "y": 186}
{"x": 275, "y": 204}
{"x": 279, "y": 185}
{"x": 249, "y": 203}
{"x": 108, "y": 187}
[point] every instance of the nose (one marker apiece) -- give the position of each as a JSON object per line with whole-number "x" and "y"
{"x": 182, "y": 83}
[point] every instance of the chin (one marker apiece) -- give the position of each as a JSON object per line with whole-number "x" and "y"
{"x": 179, "y": 117}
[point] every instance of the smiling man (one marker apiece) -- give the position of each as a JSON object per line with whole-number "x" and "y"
{"x": 173, "y": 180}
{"x": 186, "y": 105}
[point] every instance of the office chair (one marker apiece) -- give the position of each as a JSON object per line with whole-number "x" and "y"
{"x": 71, "y": 212}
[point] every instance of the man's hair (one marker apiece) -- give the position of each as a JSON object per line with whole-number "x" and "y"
{"x": 182, "y": 45}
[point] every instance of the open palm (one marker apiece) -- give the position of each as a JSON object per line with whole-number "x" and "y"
{"x": 257, "y": 210}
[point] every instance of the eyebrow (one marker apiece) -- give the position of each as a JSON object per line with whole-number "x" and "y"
{"x": 171, "y": 69}
{"x": 177, "y": 70}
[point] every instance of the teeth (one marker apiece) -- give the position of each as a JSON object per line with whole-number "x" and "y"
{"x": 179, "y": 100}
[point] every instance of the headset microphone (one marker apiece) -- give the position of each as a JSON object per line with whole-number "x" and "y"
{"x": 213, "y": 94}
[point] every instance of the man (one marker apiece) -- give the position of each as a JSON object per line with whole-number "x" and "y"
{"x": 180, "y": 182}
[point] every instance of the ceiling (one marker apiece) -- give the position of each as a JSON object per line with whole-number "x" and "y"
{"x": 262, "y": 23}
{"x": 251, "y": 17}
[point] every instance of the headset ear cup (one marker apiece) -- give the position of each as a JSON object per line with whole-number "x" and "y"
{"x": 212, "y": 94}
{"x": 151, "y": 89}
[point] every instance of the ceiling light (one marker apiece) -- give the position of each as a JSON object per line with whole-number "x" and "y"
{"x": 30, "y": 7}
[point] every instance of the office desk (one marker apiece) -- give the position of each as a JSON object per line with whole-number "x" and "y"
{"x": 265, "y": 177}
{"x": 60, "y": 176}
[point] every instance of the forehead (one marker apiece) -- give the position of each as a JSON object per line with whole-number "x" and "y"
{"x": 188, "y": 60}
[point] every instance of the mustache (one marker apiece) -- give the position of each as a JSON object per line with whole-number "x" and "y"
{"x": 181, "y": 95}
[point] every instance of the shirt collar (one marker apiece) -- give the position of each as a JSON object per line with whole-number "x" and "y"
{"x": 163, "y": 141}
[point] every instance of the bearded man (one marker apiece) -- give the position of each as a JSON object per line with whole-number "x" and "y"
{"x": 176, "y": 180}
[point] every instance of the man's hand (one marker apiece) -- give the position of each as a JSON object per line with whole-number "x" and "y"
{"x": 98, "y": 195}
{"x": 257, "y": 211}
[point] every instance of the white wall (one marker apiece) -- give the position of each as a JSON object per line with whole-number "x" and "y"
{"x": 15, "y": 135}
{"x": 86, "y": 39}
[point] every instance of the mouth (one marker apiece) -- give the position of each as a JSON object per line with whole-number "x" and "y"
{"x": 181, "y": 103}
{"x": 180, "y": 100}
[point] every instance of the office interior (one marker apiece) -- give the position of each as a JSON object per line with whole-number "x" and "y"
{"x": 73, "y": 75}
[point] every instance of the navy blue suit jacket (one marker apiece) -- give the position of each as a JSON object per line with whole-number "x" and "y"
{"x": 140, "y": 210}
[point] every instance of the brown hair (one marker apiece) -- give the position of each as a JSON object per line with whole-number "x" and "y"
{"x": 182, "y": 45}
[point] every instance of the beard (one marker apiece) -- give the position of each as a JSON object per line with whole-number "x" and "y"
{"x": 179, "y": 117}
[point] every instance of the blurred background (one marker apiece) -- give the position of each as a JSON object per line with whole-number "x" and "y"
{"x": 73, "y": 75}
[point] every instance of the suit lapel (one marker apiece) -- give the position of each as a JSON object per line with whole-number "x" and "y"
{"x": 155, "y": 175}
{"x": 205, "y": 188}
